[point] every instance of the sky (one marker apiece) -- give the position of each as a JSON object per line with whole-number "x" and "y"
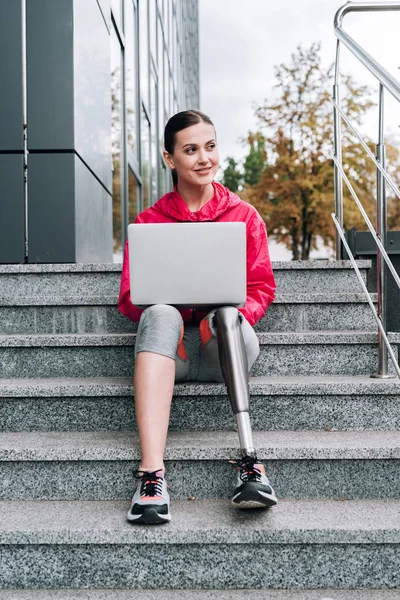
{"x": 242, "y": 40}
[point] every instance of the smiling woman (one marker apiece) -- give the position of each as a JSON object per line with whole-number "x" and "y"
{"x": 189, "y": 345}
{"x": 193, "y": 157}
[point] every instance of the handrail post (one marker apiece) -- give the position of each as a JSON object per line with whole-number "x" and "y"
{"x": 338, "y": 183}
{"x": 381, "y": 229}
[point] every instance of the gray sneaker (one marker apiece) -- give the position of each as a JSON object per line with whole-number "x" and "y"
{"x": 150, "y": 502}
{"x": 253, "y": 489}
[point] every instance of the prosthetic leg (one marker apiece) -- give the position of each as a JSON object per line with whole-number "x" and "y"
{"x": 233, "y": 360}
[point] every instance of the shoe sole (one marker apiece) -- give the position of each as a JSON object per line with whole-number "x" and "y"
{"x": 252, "y": 498}
{"x": 248, "y": 504}
{"x": 149, "y": 516}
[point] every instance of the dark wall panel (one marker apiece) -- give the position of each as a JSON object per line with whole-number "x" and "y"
{"x": 51, "y": 214}
{"x": 11, "y": 116}
{"x": 11, "y": 208}
{"x": 50, "y": 74}
{"x": 92, "y": 89}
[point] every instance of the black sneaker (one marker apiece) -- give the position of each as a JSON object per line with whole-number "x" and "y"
{"x": 253, "y": 489}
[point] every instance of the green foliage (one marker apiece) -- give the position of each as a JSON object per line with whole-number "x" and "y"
{"x": 232, "y": 178}
{"x": 254, "y": 162}
{"x": 289, "y": 167}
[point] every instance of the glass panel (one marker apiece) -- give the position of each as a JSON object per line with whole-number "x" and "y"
{"x": 167, "y": 20}
{"x": 116, "y": 139}
{"x": 130, "y": 74}
{"x": 133, "y": 197}
{"x": 169, "y": 186}
{"x": 161, "y": 87}
{"x": 144, "y": 51}
{"x": 163, "y": 189}
{"x": 145, "y": 150}
{"x": 116, "y": 7}
{"x": 154, "y": 143}
{"x": 171, "y": 96}
{"x": 153, "y": 28}
{"x": 172, "y": 46}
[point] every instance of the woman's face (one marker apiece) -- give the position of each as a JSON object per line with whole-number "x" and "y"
{"x": 195, "y": 155}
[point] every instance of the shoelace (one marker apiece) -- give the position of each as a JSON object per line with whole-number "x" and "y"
{"x": 248, "y": 469}
{"x": 151, "y": 483}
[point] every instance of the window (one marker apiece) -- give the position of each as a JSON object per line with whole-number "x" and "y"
{"x": 154, "y": 137}
{"x": 144, "y": 51}
{"x": 133, "y": 197}
{"x": 117, "y": 121}
{"x": 153, "y": 75}
{"x": 130, "y": 76}
{"x": 145, "y": 155}
{"x": 116, "y": 7}
{"x": 153, "y": 27}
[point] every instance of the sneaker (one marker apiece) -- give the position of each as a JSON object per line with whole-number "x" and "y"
{"x": 253, "y": 489}
{"x": 150, "y": 502}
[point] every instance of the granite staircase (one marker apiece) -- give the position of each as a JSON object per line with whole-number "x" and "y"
{"x": 328, "y": 433}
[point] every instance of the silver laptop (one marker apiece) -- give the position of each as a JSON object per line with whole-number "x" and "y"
{"x": 188, "y": 265}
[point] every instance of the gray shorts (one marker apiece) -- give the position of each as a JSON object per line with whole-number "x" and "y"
{"x": 194, "y": 346}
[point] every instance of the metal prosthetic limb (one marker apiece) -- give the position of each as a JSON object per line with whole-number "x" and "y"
{"x": 233, "y": 360}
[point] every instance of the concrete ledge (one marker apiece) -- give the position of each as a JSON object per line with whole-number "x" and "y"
{"x": 116, "y": 268}
{"x": 295, "y": 404}
{"x": 203, "y": 522}
{"x": 128, "y": 339}
{"x": 90, "y": 545}
{"x": 200, "y": 445}
{"x": 112, "y": 299}
{"x": 216, "y": 594}
{"x": 271, "y": 386}
{"x": 112, "y": 355}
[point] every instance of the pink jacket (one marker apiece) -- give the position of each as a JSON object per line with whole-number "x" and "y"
{"x": 224, "y": 206}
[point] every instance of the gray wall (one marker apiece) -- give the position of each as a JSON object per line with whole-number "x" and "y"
{"x": 69, "y": 132}
{"x": 11, "y": 135}
{"x": 69, "y": 129}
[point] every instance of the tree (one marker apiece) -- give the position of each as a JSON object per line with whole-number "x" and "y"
{"x": 254, "y": 163}
{"x": 232, "y": 178}
{"x": 295, "y": 191}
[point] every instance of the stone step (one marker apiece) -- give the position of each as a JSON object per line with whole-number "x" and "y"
{"x": 277, "y": 403}
{"x": 100, "y": 465}
{"x": 103, "y": 279}
{"x": 112, "y": 355}
{"x": 319, "y": 312}
{"x": 318, "y": 544}
{"x": 191, "y": 594}
{"x": 97, "y": 314}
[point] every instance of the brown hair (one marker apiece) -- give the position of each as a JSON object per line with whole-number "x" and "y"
{"x": 180, "y": 121}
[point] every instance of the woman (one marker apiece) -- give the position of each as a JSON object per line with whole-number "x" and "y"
{"x": 174, "y": 345}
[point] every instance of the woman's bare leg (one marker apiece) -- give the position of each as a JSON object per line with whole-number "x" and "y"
{"x": 154, "y": 384}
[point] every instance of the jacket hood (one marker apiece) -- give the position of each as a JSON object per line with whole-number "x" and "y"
{"x": 173, "y": 206}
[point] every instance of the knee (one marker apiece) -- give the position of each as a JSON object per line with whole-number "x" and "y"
{"x": 160, "y": 327}
{"x": 228, "y": 318}
{"x": 160, "y": 318}
{"x": 162, "y": 313}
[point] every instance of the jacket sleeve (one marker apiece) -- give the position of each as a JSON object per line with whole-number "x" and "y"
{"x": 260, "y": 278}
{"x": 125, "y": 305}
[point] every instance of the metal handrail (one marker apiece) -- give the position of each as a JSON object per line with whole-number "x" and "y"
{"x": 383, "y": 171}
{"x": 369, "y": 225}
{"x": 364, "y": 287}
{"x": 388, "y": 82}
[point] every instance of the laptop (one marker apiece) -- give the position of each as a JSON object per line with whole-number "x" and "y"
{"x": 188, "y": 265}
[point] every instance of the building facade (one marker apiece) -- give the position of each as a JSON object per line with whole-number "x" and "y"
{"x": 87, "y": 88}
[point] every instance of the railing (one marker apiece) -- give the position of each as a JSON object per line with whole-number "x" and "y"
{"x": 389, "y": 83}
